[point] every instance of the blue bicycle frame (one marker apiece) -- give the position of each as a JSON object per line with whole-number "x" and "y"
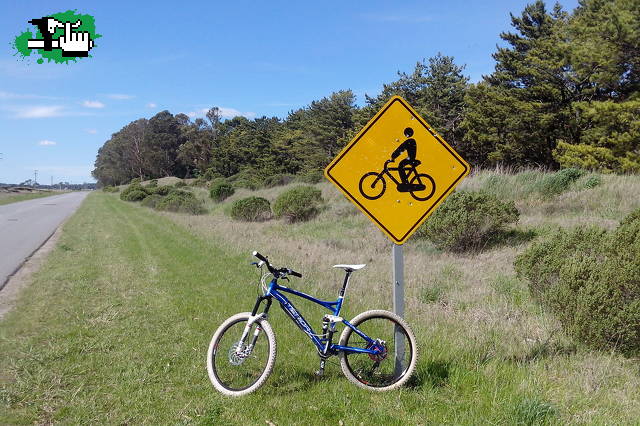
{"x": 323, "y": 344}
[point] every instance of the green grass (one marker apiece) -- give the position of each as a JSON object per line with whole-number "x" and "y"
{"x": 115, "y": 327}
{"x": 14, "y": 198}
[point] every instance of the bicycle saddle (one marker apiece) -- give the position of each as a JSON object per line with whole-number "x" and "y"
{"x": 350, "y": 268}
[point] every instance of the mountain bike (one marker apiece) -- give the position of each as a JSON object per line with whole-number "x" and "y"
{"x": 377, "y": 348}
{"x": 421, "y": 186}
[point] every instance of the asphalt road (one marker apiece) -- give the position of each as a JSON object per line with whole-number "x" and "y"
{"x": 26, "y": 225}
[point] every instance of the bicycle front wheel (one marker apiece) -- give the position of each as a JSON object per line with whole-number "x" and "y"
{"x": 395, "y": 363}
{"x": 238, "y": 366}
{"x": 372, "y": 185}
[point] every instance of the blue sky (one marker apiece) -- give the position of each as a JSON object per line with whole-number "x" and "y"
{"x": 249, "y": 58}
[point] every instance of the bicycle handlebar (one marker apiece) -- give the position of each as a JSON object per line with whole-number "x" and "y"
{"x": 277, "y": 272}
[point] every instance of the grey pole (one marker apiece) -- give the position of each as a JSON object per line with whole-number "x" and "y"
{"x": 398, "y": 304}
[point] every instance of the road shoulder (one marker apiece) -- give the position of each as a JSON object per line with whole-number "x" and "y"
{"x": 22, "y": 277}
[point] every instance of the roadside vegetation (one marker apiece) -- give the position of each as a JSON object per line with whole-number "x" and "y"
{"x": 554, "y": 100}
{"x": 8, "y": 197}
{"x": 129, "y": 318}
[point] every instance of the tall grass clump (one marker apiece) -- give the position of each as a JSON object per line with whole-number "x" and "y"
{"x": 590, "y": 279}
{"x": 469, "y": 221}
{"x": 110, "y": 189}
{"x": 298, "y": 204}
{"x": 559, "y": 182}
{"x": 251, "y": 209}
{"x": 221, "y": 190}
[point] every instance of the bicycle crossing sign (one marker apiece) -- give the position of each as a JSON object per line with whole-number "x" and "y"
{"x": 397, "y": 170}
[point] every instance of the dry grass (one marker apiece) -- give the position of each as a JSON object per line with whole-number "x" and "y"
{"x": 469, "y": 308}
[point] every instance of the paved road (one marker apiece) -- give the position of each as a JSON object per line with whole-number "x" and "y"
{"x": 26, "y": 225}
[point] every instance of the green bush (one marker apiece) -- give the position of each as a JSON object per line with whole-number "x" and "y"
{"x": 468, "y": 221}
{"x": 590, "y": 280}
{"x": 164, "y": 190}
{"x": 311, "y": 177}
{"x": 153, "y": 183}
{"x": 559, "y": 182}
{"x": 251, "y": 209}
{"x": 134, "y": 192}
{"x": 298, "y": 204}
{"x": 278, "y": 180}
{"x": 110, "y": 189}
{"x": 247, "y": 178}
{"x": 135, "y": 181}
{"x": 182, "y": 202}
{"x": 135, "y": 195}
{"x": 592, "y": 181}
{"x": 180, "y": 184}
{"x": 151, "y": 201}
{"x": 220, "y": 190}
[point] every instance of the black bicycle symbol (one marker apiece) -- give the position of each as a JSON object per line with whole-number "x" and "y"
{"x": 421, "y": 186}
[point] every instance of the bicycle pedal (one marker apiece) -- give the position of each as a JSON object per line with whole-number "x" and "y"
{"x": 318, "y": 374}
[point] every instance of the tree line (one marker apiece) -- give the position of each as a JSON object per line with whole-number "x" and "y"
{"x": 565, "y": 92}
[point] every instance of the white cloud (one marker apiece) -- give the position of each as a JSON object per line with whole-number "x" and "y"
{"x": 120, "y": 96}
{"x": 38, "y": 111}
{"x": 9, "y": 95}
{"x": 46, "y": 143}
{"x": 151, "y": 105}
{"x": 92, "y": 131}
{"x": 224, "y": 113}
{"x": 92, "y": 104}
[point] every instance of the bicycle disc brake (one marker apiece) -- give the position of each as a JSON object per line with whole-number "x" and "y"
{"x": 236, "y": 356}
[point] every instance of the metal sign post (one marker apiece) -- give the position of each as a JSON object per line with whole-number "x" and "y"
{"x": 398, "y": 303}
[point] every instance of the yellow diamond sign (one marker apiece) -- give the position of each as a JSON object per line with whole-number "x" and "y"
{"x": 397, "y": 170}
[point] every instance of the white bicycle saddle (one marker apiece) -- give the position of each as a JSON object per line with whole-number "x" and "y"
{"x": 350, "y": 268}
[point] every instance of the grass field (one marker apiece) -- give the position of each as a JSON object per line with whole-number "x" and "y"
{"x": 8, "y": 198}
{"x": 115, "y": 326}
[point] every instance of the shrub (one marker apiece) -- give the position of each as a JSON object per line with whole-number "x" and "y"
{"x": 559, "y": 182}
{"x": 134, "y": 192}
{"x": 590, "y": 280}
{"x": 135, "y": 195}
{"x": 135, "y": 181}
{"x": 182, "y": 202}
{"x": 298, "y": 204}
{"x": 110, "y": 189}
{"x": 247, "y": 178}
{"x": 180, "y": 184}
{"x": 468, "y": 221}
{"x": 251, "y": 209}
{"x": 278, "y": 180}
{"x": 221, "y": 190}
{"x": 151, "y": 201}
{"x": 164, "y": 190}
{"x": 592, "y": 181}
{"x": 311, "y": 177}
{"x": 153, "y": 183}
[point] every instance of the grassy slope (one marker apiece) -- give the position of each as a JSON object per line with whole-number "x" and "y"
{"x": 14, "y": 198}
{"x": 115, "y": 327}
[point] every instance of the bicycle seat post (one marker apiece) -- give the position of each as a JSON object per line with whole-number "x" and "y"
{"x": 347, "y": 275}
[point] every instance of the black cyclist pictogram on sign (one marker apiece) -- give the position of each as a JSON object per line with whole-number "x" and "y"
{"x": 421, "y": 186}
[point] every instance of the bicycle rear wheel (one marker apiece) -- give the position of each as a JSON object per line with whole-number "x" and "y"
{"x": 393, "y": 366}
{"x": 237, "y": 367}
